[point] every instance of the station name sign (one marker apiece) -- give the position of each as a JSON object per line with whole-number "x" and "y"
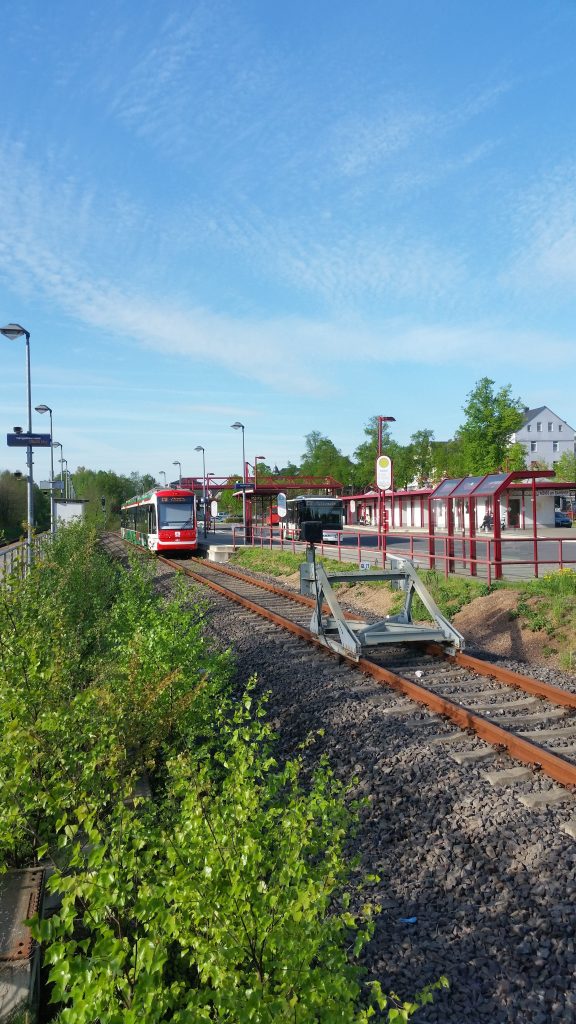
{"x": 26, "y": 440}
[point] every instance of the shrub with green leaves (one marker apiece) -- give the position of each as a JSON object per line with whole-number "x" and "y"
{"x": 228, "y": 901}
{"x": 228, "y": 897}
{"x": 549, "y": 603}
{"x": 97, "y": 673}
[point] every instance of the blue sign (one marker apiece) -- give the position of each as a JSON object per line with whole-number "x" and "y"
{"x": 25, "y": 440}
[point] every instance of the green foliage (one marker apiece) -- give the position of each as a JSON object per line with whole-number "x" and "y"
{"x": 93, "y": 485}
{"x": 82, "y": 688}
{"x": 228, "y": 897}
{"x": 451, "y": 594}
{"x": 229, "y": 902}
{"x": 14, "y": 507}
{"x": 367, "y": 452}
{"x": 323, "y": 458}
{"x": 516, "y": 457}
{"x": 423, "y": 456}
{"x": 491, "y": 419}
{"x": 281, "y": 563}
{"x": 566, "y": 467}
{"x": 548, "y": 604}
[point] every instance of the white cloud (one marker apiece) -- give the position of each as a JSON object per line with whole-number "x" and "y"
{"x": 545, "y": 254}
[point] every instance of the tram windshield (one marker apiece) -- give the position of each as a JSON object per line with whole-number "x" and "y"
{"x": 175, "y": 513}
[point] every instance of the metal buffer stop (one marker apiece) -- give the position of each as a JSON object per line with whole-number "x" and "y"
{"x": 352, "y": 637}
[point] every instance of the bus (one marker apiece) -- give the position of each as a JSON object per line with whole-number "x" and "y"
{"x": 308, "y": 508}
{"x": 160, "y": 520}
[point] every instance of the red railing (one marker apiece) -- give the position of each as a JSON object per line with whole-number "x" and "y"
{"x": 509, "y": 557}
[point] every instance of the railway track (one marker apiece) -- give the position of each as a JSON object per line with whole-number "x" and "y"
{"x": 534, "y": 722}
{"x": 475, "y": 863}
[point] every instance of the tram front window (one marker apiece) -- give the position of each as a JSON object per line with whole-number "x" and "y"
{"x": 175, "y": 514}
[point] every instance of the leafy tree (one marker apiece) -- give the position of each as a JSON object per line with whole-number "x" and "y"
{"x": 448, "y": 459}
{"x": 423, "y": 455}
{"x": 367, "y": 452}
{"x": 323, "y": 458}
{"x": 93, "y": 485}
{"x": 290, "y": 469}
{"x": 142, "y": 483}
{"x": 516, "y": 457}
{"x": 491, "y": 419}
{"x": 14, "y": 507}
{"x": 403, "y": 464}
{"x": 566, "y": 467}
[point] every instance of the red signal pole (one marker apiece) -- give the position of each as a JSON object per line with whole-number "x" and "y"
{"x": 381, "y": 420}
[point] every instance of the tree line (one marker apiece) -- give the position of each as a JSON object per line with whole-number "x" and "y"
{"x": 482, "y": 444}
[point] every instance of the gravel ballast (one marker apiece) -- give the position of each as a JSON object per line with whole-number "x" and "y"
{"x": 473, "y": 884}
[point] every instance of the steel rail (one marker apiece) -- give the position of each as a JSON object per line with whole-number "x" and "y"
{"x": 508, "y": 676}
{"x": 483, "y": 668}
{"x": 527, "y": 751}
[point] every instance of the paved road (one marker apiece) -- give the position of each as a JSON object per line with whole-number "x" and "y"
{"x": 555, "y": 548}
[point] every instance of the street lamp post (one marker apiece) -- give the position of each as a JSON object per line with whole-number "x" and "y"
{"x": 199, "y": 448}
{"x": 257, "y": 459}
{"x": 161, "y": 472}
{"x": 179, "y": 464}
{"x": 43, "y": 409}
{"x": 14, "y": 331}
{"x": 240, "y": 426}
{"x": 65, "y": 474}
{"x": 56, "y": 444}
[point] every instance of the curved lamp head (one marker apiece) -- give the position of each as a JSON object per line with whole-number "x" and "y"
{"x": 14, "y": 331}
{"x": 198, "y": 448}
{"x": 237, "y": 426}
{"x": 43, "y": 408}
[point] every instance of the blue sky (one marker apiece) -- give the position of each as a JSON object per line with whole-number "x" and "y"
{"x": 296, "y": 215}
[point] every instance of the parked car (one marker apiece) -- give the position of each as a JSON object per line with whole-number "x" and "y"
{"x": 561, "y": 519}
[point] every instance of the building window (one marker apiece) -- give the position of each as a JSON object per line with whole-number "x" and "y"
{"x": 528, "y": 427}
{"x": 538, "y": 427}
{"x": 533, "y": 446}
{"x": 550, "y": 427}
{"x": 554, "y": 446}
{"x": 559, "y": 427}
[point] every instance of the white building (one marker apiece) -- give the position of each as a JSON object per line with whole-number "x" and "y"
{"x": 545, "y": 436}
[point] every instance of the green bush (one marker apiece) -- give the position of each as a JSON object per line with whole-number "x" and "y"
{"x": 228, "y": 897}
{"x": 549, "y": 602}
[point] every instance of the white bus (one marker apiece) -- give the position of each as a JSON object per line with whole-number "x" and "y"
{"x": 312, "y": 508}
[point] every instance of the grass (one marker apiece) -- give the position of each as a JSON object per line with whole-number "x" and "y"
{"x": 548, "y": 605}
{"x": 282, "y": 563}
{"x": 449, "y": 594}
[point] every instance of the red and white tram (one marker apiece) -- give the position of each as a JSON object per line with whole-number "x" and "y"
{"x": 163, "y": 519}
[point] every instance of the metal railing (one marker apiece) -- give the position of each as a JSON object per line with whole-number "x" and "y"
{"x": 516, "y": 556}
{"x": 13, "y": 557}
